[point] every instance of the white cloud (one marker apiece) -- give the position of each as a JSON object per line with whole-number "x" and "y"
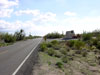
{"x": 5, "y": 7}
{"x": 83, "y": 24}
{"x": 46, "y": 17}
{"x": 76, "y": 23}
{"x": 7, "y": 3}
{"x": 70, "y": 13}
{"x": 6, "y": 12}
{"x": 39, "y": 16}
{"x": 32, "y": 12}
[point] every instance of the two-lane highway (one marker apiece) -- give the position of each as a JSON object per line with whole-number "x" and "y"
{"x": 13, "y": 55}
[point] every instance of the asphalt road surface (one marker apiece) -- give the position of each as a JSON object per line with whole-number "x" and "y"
{"x": 12, "y": 55}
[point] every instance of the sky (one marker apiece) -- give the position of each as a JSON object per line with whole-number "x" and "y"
{"x": 39, "y": 17}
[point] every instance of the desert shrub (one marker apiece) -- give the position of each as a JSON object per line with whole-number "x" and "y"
{"x": 58, "y": 54}
{"x": 95, "y": 41}
{"x": 98, "y": 45}
{"x": 65, "y": 59}
{"x": 43, "y": 46}
{"x": 51, "y": 52}
{"x": 76, "y": 44}
{"x": 54, "y": 35}
{"x": 63, "y": 51}
{"x": 78, "y": 52}
{"x": 86, "y": 36}
{"x": 79, "y": 44}
{"x": 54, "y": 42}
{"x": 49, "y": 63}
{"x": 84, "y": 53}
{"x": 56, "y": 47}
{"x": 49, "y": 44}
{"x": 19, "y": 35}
{"x": 70, "y": 43}
{"x": 8, "y": 38}
{"x": 59, "y": 64}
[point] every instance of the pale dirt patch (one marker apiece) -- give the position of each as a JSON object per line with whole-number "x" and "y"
{"x": 46, "y": 69}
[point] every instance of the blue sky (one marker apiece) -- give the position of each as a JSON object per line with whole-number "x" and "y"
{"x": 40, "y": 17}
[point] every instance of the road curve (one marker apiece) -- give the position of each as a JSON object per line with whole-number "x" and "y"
{"x": 13, "y": 55}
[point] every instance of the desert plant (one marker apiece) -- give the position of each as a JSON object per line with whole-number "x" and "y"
{"x": 54, "y": 35}
{"x": 49, "y": 44}
{"x": 86, "y": 36}
{"x": 19, "y": 35}
{"x": 51, "y": 52}
{"x": 43, "y": 46}
{"x": 98, "y": 45}
{"x": 63, "y": 51}
{"x": 54, "y": 42}
{"x": 70, "y": 43}
{"x": 8, "y": 38}
{"x": 65, "y": 59}
{"x": 58, "y": 54}
{"x": 59, "y": 64}
{"x": 78, "y": 44}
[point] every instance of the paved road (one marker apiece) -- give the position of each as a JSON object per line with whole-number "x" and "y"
{"x": 12, "y": 55}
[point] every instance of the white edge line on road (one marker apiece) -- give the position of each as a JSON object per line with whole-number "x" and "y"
{"x": 14, "y": 73}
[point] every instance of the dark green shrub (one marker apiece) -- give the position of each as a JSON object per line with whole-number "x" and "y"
{"x": 54, "y": 42}
{"x": 98, "y": 45}
{"x": 86, "y": 36}
{"x": 49, "y": 44}
{"x": 70, "y": 43}
{"x": 51, "y": 52}
{"x": 43, "y": 47}
{"x": 59, "y": 64}
{"x": 8, "y": 38}
{"x": 65, "y": 59}
{"x": 54, "y": 35}
{"x": 94, "y": 41}
{"x": 19, "y": 35}
{"x": 84, "y": 53}
{"x": 78, "y": 44}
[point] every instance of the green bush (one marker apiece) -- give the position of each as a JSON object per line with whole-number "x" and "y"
{"x": 54, "y": 35}
{"x": 65, "y": 59}
{"x": 20, "y": 35}
{"x": 43, "y": 47}
{"x": 86, "y": 36}
{"x": 51, "y": 52}
{"x": 70, "y": 43}
{"x": 84, "y": 53}
{"x": 63, "y": 51}
{"x": 78, "y": 44}
{"x": 49, "y": 44}
{"x": 58, "y": 54}
{"x": 54, "y": 42}
{"x": 98, "y": 45}
{"x": 8, "y": 38}
{"x": 59, "y": 64}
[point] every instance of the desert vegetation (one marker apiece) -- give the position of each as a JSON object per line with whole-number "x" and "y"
{"x": 7, "y": 39}
{"x": 72, "y": 57}
{"x": 54, "y": 35}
